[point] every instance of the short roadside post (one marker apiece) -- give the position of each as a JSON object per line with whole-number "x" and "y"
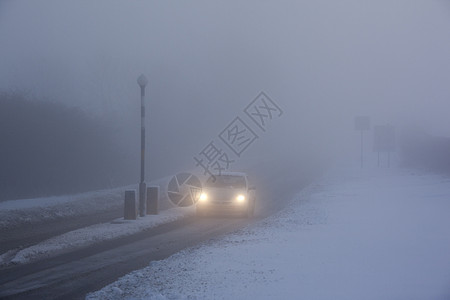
{"x": 129, "y": 211}
{"x": 152, "y": 200}
{"x": 142, "y": 81}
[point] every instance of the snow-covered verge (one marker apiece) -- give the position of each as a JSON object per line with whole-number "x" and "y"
{"x": 371, "y": 234}
{"x": 90, "y": 235}
{"x": 14, "y": 213}
{"x": 34, "y": 211}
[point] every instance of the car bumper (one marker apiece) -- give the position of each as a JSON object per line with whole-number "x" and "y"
{"x": 222, "y": 208}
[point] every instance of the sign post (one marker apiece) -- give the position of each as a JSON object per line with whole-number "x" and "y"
{"x": 384, "y": 141}
{"x": 362, "y": 123}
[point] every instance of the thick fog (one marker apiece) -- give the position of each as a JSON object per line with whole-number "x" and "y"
{"x": 322, "y": 62}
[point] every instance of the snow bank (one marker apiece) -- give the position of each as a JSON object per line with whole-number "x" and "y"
{"x": 371, "y": 234}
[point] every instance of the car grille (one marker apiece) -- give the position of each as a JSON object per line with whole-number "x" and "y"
{"x": 222, "y": 200}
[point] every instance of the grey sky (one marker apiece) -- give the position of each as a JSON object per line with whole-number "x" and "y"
{"x": 323, "y": 61}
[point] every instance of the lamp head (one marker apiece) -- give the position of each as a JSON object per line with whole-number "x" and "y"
{"x": 142, "y": 80}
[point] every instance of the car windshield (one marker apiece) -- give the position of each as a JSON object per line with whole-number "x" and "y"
{"x": 232, "y": 181}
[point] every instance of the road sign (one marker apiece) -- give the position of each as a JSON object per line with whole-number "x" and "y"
{"x": 362, "y": 123}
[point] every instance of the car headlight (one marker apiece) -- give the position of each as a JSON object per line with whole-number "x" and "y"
{"x": 240, "y": 198}
{"x": 203, "y": 197}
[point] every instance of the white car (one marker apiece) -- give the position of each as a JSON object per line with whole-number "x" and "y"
{"x": 228, "y": 192}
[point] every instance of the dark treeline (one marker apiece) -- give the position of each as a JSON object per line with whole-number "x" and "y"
{"x": 424, "y": 151}
{"x": 49, "y": 149}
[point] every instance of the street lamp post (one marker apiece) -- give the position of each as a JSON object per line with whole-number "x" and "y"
{"x": 142, "y": 81}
